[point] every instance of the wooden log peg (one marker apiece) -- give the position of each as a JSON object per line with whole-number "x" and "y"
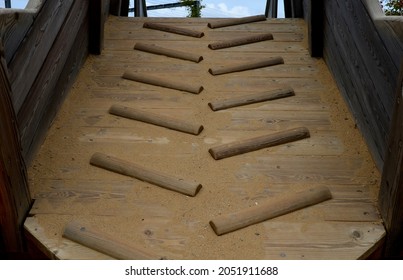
{"x": 173, "y": 29}
{"x": 157, "y": 81}
{"x": 246, "y": 66}
{"x": 236, "y": 21}
{"x": 241, "y": 41}
{"x": 257, "y": 143}
{"x": 156, "y": 119}
{"x": 104, "y": 243}
{"x": 251, "y": 98}
{"x": 168, "y": 52}
{"x": 144, "y": 174}
{"x": 268, "y": 209}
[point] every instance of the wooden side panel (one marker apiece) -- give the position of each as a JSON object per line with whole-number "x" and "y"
{"x": 38, "y": 99}
{"x": 14, "y": 24}
{"x": 15, "y": 199}
{"x": 364, "y": 69}
{"x": 391, "y": 193}
{"x": 29, "y": 58}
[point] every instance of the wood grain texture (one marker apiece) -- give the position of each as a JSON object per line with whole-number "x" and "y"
{"x": 176, "y": 226}
{"x": 168, "y": 52}
{"x": 391, "y": 192}
{"x": 38, "y": 100}
{"x": 219, "y": 70}
{"x": 158, "y": 81}
{"x": 359, "y": 69}
{"x": 31, "y": 54}
{"x": 241, "y": 41}
{"x": 269, "y": 209}
{"x": 15, "y": 196}
{"x": 250, "y": 99}
{"x": 235, "y": 21}
{"x": 173, "y": 29}
{"x": 100, "y": 241}
{"x": 160, "y": 120}
{"x": 148, "y": 175}
{"x": 257, "y": 143}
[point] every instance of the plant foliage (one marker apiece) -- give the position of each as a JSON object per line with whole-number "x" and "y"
{"x": 392, "y": 7}
{"x": 194, "y": 7}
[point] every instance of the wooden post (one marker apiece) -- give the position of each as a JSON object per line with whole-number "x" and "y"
{"x": 314, "y": 15}
{"x": 391, "y": 192}
{"x": 119, "y": 8}
{"x": 15, "y": 199}
{"x": 97, "y": 20}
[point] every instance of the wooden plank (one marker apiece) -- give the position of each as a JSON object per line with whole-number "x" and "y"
{"x": 14, "y": 192}
{"x": 75, "y": 60}
{"x": 349, "y": 32}
{"x": 31, "y": 54}
{"x": 368, "y": 109}
{"x": 14, "y": 24}
{"x": 391, "y": 192}
{"x": 109, "y": 245}
{"x": 345, "y": 240}
{"x": 38, "y": 99}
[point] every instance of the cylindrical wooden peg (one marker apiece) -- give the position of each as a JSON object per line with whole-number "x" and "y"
{"x": 160, "y": 120}
{"x": 151, "y": 176}
{"x": 168, "y": 52}
{"x": 250, "y": 99}
{"x": 257, "y": 143}
{"x": 157, "y": 81}
{"x": 246, "y": 66}
{"x": 235, "y": 21}
{"x": 268, "y": 209}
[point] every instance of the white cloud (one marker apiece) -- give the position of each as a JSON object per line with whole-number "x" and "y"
{"x": 222, "y": 9}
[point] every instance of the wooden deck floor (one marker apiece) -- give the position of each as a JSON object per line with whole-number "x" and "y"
{"x": 170, "y": 225}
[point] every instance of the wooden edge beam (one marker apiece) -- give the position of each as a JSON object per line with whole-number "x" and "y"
{"x": 250, "y": 99}
{"x": 157, "y": 81}
{"x": 235, "y": 21}
{"x": 168, "y": 52}
{"x": 241, "y": 41}
{"x": 246, "y": 66}
{"x": 268, "y": 209}
{"x": 144, "y": 174}
{"x": 257, "y": 143}
{"x": 104, "y": 243}
{"x": 156, "y": 119}
{"x": 173, "y": 29}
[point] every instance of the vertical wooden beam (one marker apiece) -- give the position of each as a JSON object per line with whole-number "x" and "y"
{"x": 15, "y": 199}
{"x": 391, "y": 192}
{"x": 119, "y": 7}
{"x": 97, "y": 23}
{"x": 271, "y": 8}
{"x": 314, "y": 15}
{"x": 293, "y": 8}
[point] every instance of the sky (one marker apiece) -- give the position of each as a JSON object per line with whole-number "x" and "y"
{"x": 213, "y": 8}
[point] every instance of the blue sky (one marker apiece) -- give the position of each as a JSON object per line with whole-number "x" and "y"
{"x": 214, "y": 8}
{"x": 217, "y": 8}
